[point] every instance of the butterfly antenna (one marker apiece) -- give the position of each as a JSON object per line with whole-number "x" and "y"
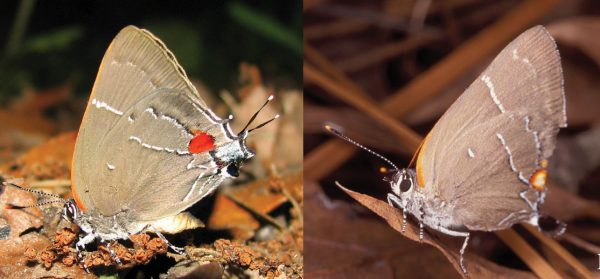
{"x": 256, "y": 114}
{"x": 344, "y": 137}
{"x": 57, "y": 198}
{"x": 264, "y": 123}
{"x": 41, "y": 193}
{"x": 39, "y": 204}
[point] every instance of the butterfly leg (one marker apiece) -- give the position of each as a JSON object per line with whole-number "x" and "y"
{"x": 80, "y": 245}
{"x": 464, "y": 246}
{"x": 421, "y": 232}
{"x": 178, "y": 250}
{"x": 395, "y": 201}
{"x": 462, "y": 253}
{"x": 113, "y": 255}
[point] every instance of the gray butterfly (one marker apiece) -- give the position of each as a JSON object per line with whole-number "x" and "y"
{"x": 483, "y": 165}
{"x": 148, "y": 146}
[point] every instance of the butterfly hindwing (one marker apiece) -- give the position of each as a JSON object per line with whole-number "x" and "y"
{"x": 149, "y": 165}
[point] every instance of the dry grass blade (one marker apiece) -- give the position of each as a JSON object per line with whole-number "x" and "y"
{"x": 336, "y": 28}
{"x": 593, "y": 249}
{"x": 327, "y": 67}
{"x": 408, "y": 139}
{"x": 469, "y": 55}
{"x": 532, "y": 258}
{"x": 560, "y": 251}
{"x": 476, "y": 266}
{"x": 357, "y": 126}
{"x": 389, "y": 50}
{"x": 444, "y": 73}
{"x": 320, "y": 162}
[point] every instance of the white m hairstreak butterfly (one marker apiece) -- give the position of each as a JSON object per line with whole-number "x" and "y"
{"x": 483, "y": 165}
{"x": 148, "y": 146}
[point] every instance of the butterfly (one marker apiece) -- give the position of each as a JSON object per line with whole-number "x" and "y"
{"x": 483, "y": 166}
{"x": 148, "y": 146}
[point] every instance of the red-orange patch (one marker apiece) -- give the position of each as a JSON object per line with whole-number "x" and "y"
{"x": 419, "y": 167}
{"x": 538, "y": 179}
{"x": 76, "y": 198}
{"x": 201, "y": 142}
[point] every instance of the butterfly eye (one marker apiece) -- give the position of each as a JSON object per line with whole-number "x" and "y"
{"x": 405, "y": 184}
{"x": 233, "y": 170}
{"x": 70, "y": 211}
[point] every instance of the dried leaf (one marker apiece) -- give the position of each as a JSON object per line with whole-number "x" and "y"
{"x": 352, "y": 247}
{"x": 19, "y": 220}
{"x": 49, "y": 161}
{"x": 258, "y": 197}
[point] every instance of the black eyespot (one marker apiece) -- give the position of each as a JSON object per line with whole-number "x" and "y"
{"x": 233, "y": 170}
{"x": 551, "y": 226}
{"x": 405, "y": 184}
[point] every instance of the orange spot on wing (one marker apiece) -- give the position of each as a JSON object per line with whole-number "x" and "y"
{"x": 420, "y": 174}
{"x": 201, "y": 142}
{"x": 538, "y": 179}
{"x": 76, "y": 198}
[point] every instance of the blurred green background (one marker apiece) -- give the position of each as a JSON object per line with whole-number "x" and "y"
{"x": 46, "y": 43}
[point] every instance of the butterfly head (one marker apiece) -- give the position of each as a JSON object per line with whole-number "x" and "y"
{"x": 233, "y": 154}
{"x": 402, "y": 182}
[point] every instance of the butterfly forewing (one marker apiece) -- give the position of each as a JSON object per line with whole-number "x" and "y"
{"x": 135, "y": 64}
{"x": 515, "y": 107}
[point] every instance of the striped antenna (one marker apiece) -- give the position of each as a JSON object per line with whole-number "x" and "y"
{"x": 329, "y": 127}
{"x": 57, "y": 198}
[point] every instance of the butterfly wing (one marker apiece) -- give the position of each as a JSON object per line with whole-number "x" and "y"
{"x": 483, "y": 151}
{"x": 135, "y": 64}
{"x": 147, "y": 166}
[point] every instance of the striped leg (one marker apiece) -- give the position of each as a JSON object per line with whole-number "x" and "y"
{"x": 464, "y": 246}
{"x": 113, "y": 255}
{"x": 178, "y": 250}
{"x": 395, "y": 201}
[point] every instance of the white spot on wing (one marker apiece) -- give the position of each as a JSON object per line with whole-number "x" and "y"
{"x": 109, "y": 166}
{"x": 103, "y": 105}
{"x": 471, "y": 153}
{"x": 490, "y": 85}
{"x": 515, "y": 55}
